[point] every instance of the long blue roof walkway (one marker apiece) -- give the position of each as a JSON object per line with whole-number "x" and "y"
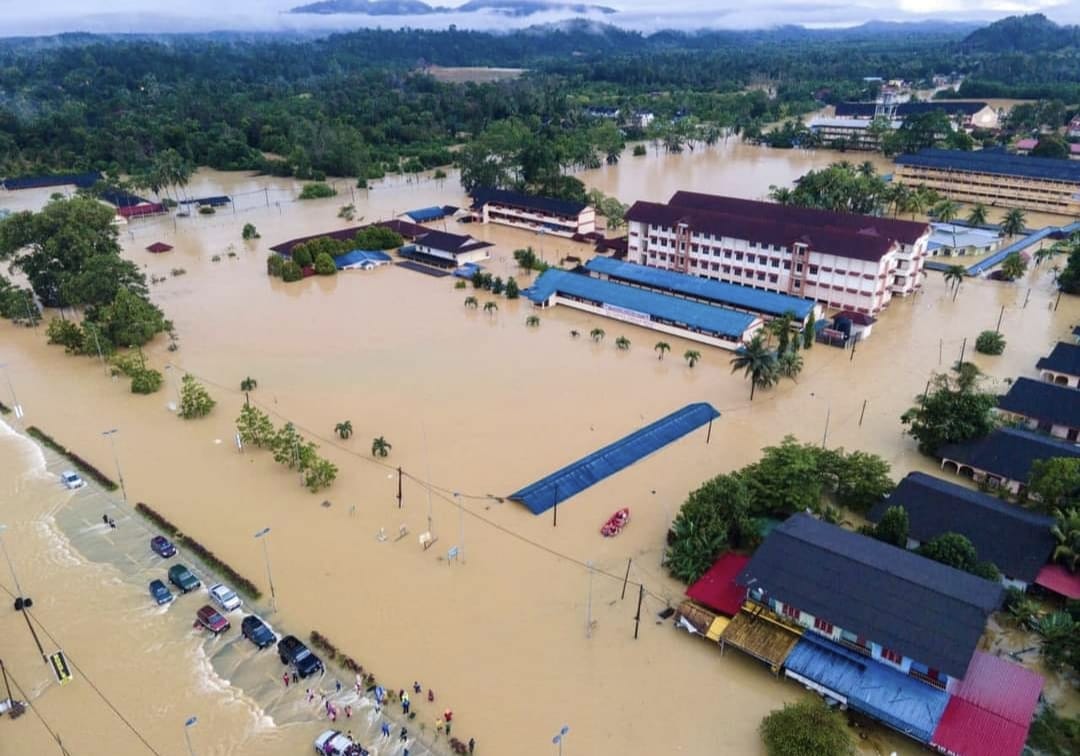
{"x": 587, "y": 471}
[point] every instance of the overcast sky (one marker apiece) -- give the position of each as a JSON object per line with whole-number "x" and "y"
{"x": 51, "y": 16}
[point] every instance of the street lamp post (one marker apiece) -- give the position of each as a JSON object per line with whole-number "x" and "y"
{"x": 264, "y": 536}
{"x": 119, "y": 474}
{"x": 15, "y": 406}
{"x": 560, "y": 737}
{"x": 187, "y": 738}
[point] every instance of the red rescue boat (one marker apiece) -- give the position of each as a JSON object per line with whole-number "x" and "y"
{"x": 616, "y": 523}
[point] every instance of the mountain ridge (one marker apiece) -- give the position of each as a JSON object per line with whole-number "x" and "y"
{"x": 516, "y": 8}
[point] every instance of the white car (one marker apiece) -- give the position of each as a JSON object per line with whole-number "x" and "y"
{"x": 336, "y": 743}
{"x": 71, "y": 480}
{"x": 225, "y": 597}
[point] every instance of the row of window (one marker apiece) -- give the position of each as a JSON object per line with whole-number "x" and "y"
{"x": 828, "y": 628}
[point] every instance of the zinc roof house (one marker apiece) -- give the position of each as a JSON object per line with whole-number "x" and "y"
{"x": 1016, "y": 540}
{"x": 1043, "y": 406}
{"x": 910, "y": 613}
{"x": 1062, "y": 365}
{"x": 1003, "y": 458}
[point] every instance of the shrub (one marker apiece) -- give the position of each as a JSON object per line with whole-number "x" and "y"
{"x": 145, "y": 381}
{"x": 460, "y": 284}
{"x": 439, "y": 174}
{"x": 194, "y": 399}
{"x": 324, "y": 265}
{"x": 302, "y": 256}
{"x": 290, "y": 271}
{"x": 249, "y": 232}
{"x": 215, "y": 258}
{"x": 66, "y": 333}
{"x": 206, "y": 210}
{"x": 317, "y": 190}
{"x": 639, "y": 150}
{"x": 990, "y": 342}
{"x": 85, "y": 467}
{"x": 377, "y": 237}
{"x": 1054, "y": 734}
{"x": 180, "y": 271}
{"x": 806, "y": 727}
{"x": 512, "y": 289}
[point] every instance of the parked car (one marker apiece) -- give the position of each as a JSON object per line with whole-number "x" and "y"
{"x": 256, "y": 631}
{"x": 225, "y": 597}
{"x": 162, "y": 546}
{"x": 71, "y": 480}
{"x": 209, "y": 618}
{"x": 336, "y": 743}
{"x": 294, "y": 653}
{"x": 183, "y": 578}
{"x": 160, "y": 592}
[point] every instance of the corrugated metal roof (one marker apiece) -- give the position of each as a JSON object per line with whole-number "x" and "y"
{"x": 1041, "y": 400}
{"x": 1008, "y": 452}
{"x": 718, "y": 292}
{"x": 708, "y": 319}
{"x": 1056, "y": 578}
{"x": 904, "y": 109}
{"x": 717, "y": 589}
{"x": 1065, "y": 358}
{"x": 994, "y": 162}
{"x": 426, "y": 214}
{"x": 588, "y": 471}
{"x": 550, "y": 205}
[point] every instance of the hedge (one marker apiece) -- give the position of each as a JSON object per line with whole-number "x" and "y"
{"x": 85, "y": 467}
{"x": 204, "y": 554}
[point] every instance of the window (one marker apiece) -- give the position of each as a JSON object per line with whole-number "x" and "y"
{"x": 738, "y": 256}
{"x": 773, "y": 278}
{"x": 761, "y": 276}
{"x": 813, "y": 270}
{"x": 893, "y": 656}
{"x": 750, "y": 258}
{"x": 823, "y": 626}
{"x": 791, "y": 611}
{"x": 787, "y": 265}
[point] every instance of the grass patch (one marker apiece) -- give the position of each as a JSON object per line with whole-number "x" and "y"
{"x": 207, "y": 557}
{"x": 83, "y": 466}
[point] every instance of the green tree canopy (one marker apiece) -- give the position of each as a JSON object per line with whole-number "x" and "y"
{"x": 1054, "y": 484}
{"x": 806, "y": 728}
{"x": 955, "y": 409}
{"x": 893, "y": 527}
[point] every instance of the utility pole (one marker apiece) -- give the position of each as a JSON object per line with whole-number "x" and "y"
{"x": 109, "y": 434}
{"x": 264, "y": 536}
{"x": 555, "y": 514}
{"x": 22, "y": 603}
{"x": 588, "y": 611}
{"x": 997, "y": 328}
{"x": 828, "y": 415}
{"x": 15, "y": 406}
{"x": 626, "y": 577}
{"x": 637, "y": 617}
{"x": 963, "y": 348}
{"x": 187, "y": 738}
{"x": 399, "y": 499}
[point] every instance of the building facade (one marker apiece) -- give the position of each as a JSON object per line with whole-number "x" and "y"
{"x": 1043, "y": 406}
{"x": 1062, "y": 365}
{"x": 849, "y": 262}
{"x": 544, "y": 215}
{"x": 850, "y": 133}
{"x": 995, "y": 178}
{"x": 451, "y": 249}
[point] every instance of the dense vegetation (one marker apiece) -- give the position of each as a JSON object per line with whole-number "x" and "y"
{"x": 954, "y": 408}
{"x": 806, "y": 728}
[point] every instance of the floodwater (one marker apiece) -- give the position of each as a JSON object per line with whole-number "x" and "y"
{"x": 479, "y": 404}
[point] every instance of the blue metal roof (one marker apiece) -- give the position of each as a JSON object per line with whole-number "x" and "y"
{"x": 743, "y": 297}
{"x": 995, "y": 162}
{"x": 424, "y": 214}
{"x": 708, "y": 319}
{"x": 879, "y": 691}
{"x": 360, "y": 256}
{"x": 587, "y": 471}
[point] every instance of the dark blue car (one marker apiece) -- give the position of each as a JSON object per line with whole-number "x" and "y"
{"x": 256, "y": 631}
{"x": 162, "y": 546}
{"x": 160, "y": 592}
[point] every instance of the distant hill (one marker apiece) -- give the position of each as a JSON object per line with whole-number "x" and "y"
{"x": 419, "y": 8}
{"x": 1031, "y": 33}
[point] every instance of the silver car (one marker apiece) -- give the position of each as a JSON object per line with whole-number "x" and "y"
{"x": 225, "y": 597}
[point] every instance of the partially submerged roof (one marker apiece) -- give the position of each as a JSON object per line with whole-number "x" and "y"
{"x": 856, "y": 318}
{"x": 710, "y": 319}
{"x": 994, "y": 162}
{"x": 81, "y": 180}
{"x": 587, "y": 471}
{"x": 921, "y": 608}
{"x": 990, "y": 710}
{"x": 454, "y": 244}
{"x": 907, "y": 109}
{"x": 717, "y": 589}
{"x": 425, "y": 214}
{"x": 1044, "y": 401}
{"x": 729, "y": 294}
{"x": 549, "y": 205}
{"x": 1056, "y": 578}
{"x": 158, "y": 247}
{"x": 1065, "y": 358}
{"x": 1008, "y": 452}
{"x": 1016, "y": 540}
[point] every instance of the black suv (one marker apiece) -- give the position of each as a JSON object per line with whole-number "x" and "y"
{"x": 293, "y": 652}
{"x": 256, "y": 631}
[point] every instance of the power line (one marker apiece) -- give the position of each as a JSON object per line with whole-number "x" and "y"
{"x": 37, "y": 713}
{"x": 86, "y": 677}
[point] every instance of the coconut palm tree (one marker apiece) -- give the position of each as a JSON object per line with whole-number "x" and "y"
{"x": 920, "y": 200}
{"x": 1067, "y": 532}
{"x": 953, "y": 276}
{"x": 248, "y": 384}
{"x": 491, "y": 308}
{"x": 622, "y": 343}
{"x": 532, "y": 321}
{"x": 661, "y": 347}
{"x": 789, "y": 364}
{"x": 946, "y": 211}
{"x": 757, "y": 363}
{"x": 471, "y": 302}
{"x": 977, "y": 215}
{"x": 781, "y": 195}
{"x": 1013, "y": 223}
{"x": 1042, "y": 254}
{"x": 691, "y": 356}
{"x": 1013, "y": 266}
{"x": 343, "y": 429}
{"x": 380, "y": 447}
{"x": 897, "y": 195}
{"x": 866, "y": 168}
{"x": 597, "y": 334}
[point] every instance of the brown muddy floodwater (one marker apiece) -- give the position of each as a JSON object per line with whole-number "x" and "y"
{"x": 479, "y": 404}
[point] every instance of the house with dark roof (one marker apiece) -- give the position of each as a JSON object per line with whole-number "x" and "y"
{"x": 844, "y": 261}
{"x": 450, "y": 249}
{"x": 966, "y": 114}
{"x": 1016, "y": 540}
{"x": 1003, "y": 458}
{"x": 542, "y": 215}
{"x": 875, "y": 600}
{"x": 1043, "y": 406}
{"x": 1062, "y": 365}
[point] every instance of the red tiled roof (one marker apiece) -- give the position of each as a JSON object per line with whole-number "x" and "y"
{"x": 905, "y": 232}
{"x": 866, "y": 244}
{"x": 159, "y": 247}
{"x": 716, "y": 589}
{"x": 990, "y": 710}
{"x": 1054, "y": 577}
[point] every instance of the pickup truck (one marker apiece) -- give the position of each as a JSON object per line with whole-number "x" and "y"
{"x": 295, "y": 654}
{"x": 183, "y": 578}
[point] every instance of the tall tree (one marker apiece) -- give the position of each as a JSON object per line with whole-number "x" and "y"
{"x": 757, "y": 362}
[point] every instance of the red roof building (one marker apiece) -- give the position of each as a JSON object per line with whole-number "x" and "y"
{"x": 159, "y": 247}
{"x": 142, "y": 210}
{"x": 717, "y": 590}
{"x": 990, "y": 710}
{"x": 1056, "y": 579}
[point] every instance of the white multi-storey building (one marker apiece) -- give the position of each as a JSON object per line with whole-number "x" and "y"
{"x": 850, "y": 262}
{"x": 545, "y": 215}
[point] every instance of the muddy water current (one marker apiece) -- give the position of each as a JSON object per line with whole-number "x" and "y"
{"x": 517, "y": 635}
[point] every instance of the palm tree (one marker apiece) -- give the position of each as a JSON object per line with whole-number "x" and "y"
{"x": 691, "y": 356}
{"x": 532, "y": 321}
{"x": 1013, "y": 266}
{"x": 953, "y": 276}
{"x": 343, "y": 429}
{"x": 622, "y": 343}
{"x": 898, "y": 195}
{"x": 919, "y": 200}
{"x": 471, "y": 302}
{"x": 781, "y": 195}
{"x": 1013, "y": 223}
{"x": 757, "y": 363}
{"x": 661, "y": 347}
{"x": 866, "y": 168}
{"x": 946, "y": 211}
{"x": 380, "y": 447}
{"x": 1067, "y": 532}
{"x": 977, "y": 216}
{"x": 248, "y": 384}
{"x": 574, "y": 333}
{"x": 789, "y": 364}
{"x": 597, "y": 334}
{"x": 491, "y": 307}
{"x": 1042, "y": 254}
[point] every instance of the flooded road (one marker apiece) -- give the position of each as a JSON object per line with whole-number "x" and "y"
{"x": 477, "y": 403}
